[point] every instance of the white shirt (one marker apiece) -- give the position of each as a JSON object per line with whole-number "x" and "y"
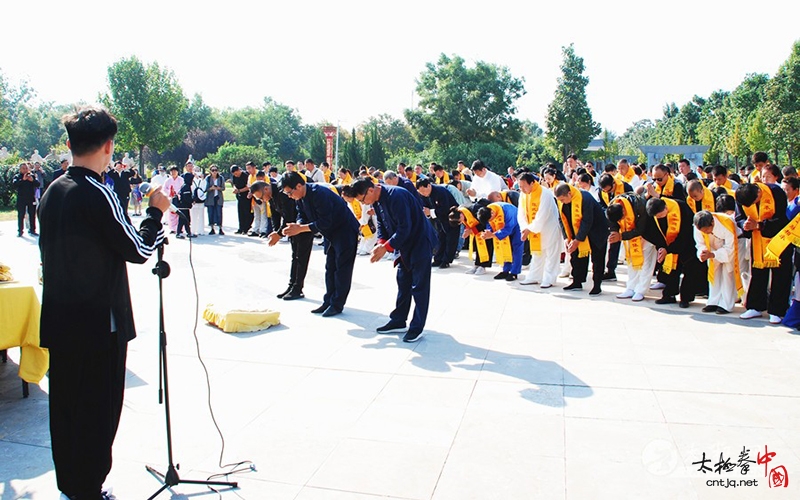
{"x": 488, "y": 183}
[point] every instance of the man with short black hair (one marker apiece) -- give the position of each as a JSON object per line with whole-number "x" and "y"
{"x": 404, "y": 231}
{"x": 25, "y": 184}
{"x": 240, "y": 189}
{"x": 320, "y": 210}
{"x": 87, "y": 318}
{"x": 484, "y": 181}
{"x": 664, "y": 185}
{"x": 313, "y": 174}
{"x": 437, "y": 203}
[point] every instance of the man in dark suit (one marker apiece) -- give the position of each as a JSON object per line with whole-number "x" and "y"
{"x": 593, "y": 227}
{"x": 321, "y": 210}
{"x": 25, "y": 184}
{"x": 404, "y": 231}
{"x": 284, "y": 212}
{"x": 436, "y": 204}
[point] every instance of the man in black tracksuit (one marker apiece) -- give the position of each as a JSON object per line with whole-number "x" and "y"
{"x": 25, "y": 183}
{"x": 87, "y": 321}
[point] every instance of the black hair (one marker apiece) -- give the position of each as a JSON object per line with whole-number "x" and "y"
{"x": 478, "y": 165}
{"x": 291, "y": 180}
{"x": 424, "y": 182}
{"x": 655, "y": 206}
{"x": 746, "y": 194}
{"x": 88, "y": 128}
{"x": 725, "y": 203}
{"x": 606, "y": 180}
{"x": 614, "y": 212}
{"x": 585, "y": 178}
{"x": 760, "y": 157}
{"x": 361, "y": 186}
{"x": 527, "y": 177}
{"x": 484, "y": 214}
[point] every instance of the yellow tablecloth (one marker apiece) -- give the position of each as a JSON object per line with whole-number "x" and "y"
{"x": 19, "y": 327}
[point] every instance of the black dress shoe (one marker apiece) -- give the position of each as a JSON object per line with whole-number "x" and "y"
{"x": 294, "y": 295}
{"x": 435, "y": 264}
{"x": 666, "y": 300}
{"x": 574, "y": 286}
{"x": 501, "y": 275}
{"x": 610, "y": 276}
{"x": 392, "y": 327}
{"x": 511, "y": 277}
{"x": 412, "y": 336}
{"x": 722, "y": 311}
{"x": 320, "y": 309}
{"x": 19, "y": 235}
{"x": 595, "y": 291}
{"x": 33, "y": 233}
{"x": 444, "y": 265}
{"x": 283, "y": 293}
{"x": 710, "y": 309}
{"x": 683, "y": 304}
{"x": 222, "y": 233}
{"x": 331, "y": 311}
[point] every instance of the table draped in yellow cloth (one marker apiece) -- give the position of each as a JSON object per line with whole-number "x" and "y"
{"x": 19, "y": 327}
{"x": 240, "y": 320}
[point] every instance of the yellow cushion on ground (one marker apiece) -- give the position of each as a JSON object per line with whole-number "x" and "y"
{"x": 238, "y": 320}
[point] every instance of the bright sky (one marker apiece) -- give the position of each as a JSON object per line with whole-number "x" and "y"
{"x": 348, "y": 60}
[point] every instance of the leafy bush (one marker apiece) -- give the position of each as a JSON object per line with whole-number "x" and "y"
{"x": 236, "y": 154}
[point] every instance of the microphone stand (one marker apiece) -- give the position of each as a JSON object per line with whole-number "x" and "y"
{"x": 171, "y": 478}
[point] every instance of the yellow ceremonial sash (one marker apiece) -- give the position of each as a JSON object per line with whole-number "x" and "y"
{"x": 673, "y": 228}
{"x": 576, "y": 207}
{"x": 498, "y": 222}
{"x": 530, "y": 203}
{"x": 628, "y": 177}
{"x": 728, "y": 224}
{"x": 413, "y": 178}
{"x": 669, "y": 186}
{"x": 619, "y": 188}
{"x": 358, "y": 210}
{"x": 634, "y": 247}
{"x": 348, "y": 179}
{"x": 445, "y": 179}
{"x": 472, "y": 224}
{"x": 708, "y": 201}
{"x": 788, "y": 235}
{"x": 727, "y": 187}
{"x": 327, "y": 174}
{"x": 759, "y": 212}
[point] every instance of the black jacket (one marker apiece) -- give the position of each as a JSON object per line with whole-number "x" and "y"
{"x": 640, "y": 218}
{"x": 26, "y": 189}
{"x": 769, "y": 228}
{"x": 594, "y": 224}
{"x": 440, "y": 201}
{"x": 684, "y": 244}
{"x": 284, "y": 209}
{"x": 86, "y": 239}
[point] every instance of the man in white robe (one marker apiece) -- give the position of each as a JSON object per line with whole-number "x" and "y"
{"x": 628, "y": 219}
{"x": 716, "y": 244}
{"x": 545, "y": 264}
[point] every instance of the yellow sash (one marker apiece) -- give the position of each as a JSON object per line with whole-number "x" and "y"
{"x": 472, "y": 224}
{"x": 668, "y": 187}
{"x": 530, "y": 203}
{"x": 728, "y": 224}
{"x": 327, "y": 174}
{"x": 634, "y": 247}
{"x": 619, "y": 188}
{"x": 348, "y": 179}
{"x": 502, "y": 247}
{"x": 628, "y": 177}
{"x": 358, "y": 210}
{"x": 445, "y": 179}
{"x": 727, "y": 186}
{"x": 708, "y": 201}
{"x": 761, "y": 211}
{"x": 788, "y": 235}
{"x": 673, "y": 228}
{"x": 413, "y": 178}
{"x": 576, "y": 205}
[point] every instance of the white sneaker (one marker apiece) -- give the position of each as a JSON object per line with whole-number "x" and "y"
{"x": 472, "y": 271}
{"x": 775, "y": 320}
{"x": 526, "y": 281}
{"x": 750, "y": 314}
{"x": 479, "y": 270}
{"x": 626, "y": 294}
{"x": 637, "y": 297}
{"x": 658, "y": 286}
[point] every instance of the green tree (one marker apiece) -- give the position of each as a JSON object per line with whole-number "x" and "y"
{"x": 315, "y": 147}
{"x": 569, "y": 122}
{"x": 5, "y": 120}
{"x": 351, "y": 153}
{"x": 758, "y": 137}
{"x": 736, "y": 141}
{"x": 149, "y": 103}
{"x": 198, "y": 115}
{"x": 236, "y": 154}
{"x": 460, "y": 104}
{"x": 782, "y": 104}
{"x": 374, "y": 155}
{"x": 395, "y": 134}
{"x": 273, "y": 127}
{"x": 641, "y": 133}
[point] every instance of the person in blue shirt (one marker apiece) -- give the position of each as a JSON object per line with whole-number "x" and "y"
{"x": 791, "y": 186}
{"x": 501, "y": 224}
{"x": 403, "y": 230}
{"x": 320, "y": 209}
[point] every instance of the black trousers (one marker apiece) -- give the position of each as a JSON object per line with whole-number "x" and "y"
{"x": 580, "y": 265}
{"x": 340, "y": 260}
{"x": 448, "y": 241}
{"x": 613, "y": 256}
{"x": 775, "y": 298}
{"x": 245, "y": 215}
{"x": 184, "y": 220}
{"x": 21, "y": 209}
{"x": 413, "y": 281}
{"x": 694, "y": 274}
{"x": 87, "y": 384}
{"x": 301, "y": 253}
{"x": 490, "y": 251}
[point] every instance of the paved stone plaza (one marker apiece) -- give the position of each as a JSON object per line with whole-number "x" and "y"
{"x": 513, "y": 392}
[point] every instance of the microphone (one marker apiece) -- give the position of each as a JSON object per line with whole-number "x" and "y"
{"x": 147, "y": 189}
